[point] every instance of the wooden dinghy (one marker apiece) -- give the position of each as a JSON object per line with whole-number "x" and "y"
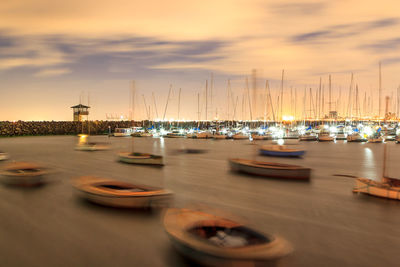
{"x": 215, "y": 241}
{"x": 23, "y": 174}
{"x": 270, "y": 169}
{"x": 140, "y": 158}
{"x": 281, "y": 151}
{"x": 119, "y": 194}
{"x": 92, "y": 146}
{"x": 3, "y": 155}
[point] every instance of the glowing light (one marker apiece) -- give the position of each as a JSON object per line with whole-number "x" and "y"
{"x": 287, "y": 118}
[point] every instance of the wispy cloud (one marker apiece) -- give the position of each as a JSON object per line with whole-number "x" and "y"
{"x": 342, "y": 31}
{"x": 52, "y": 72}
{"x": 298, "y": 8}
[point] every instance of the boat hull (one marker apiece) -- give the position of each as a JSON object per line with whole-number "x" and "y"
{"x": 326, "y": 139}
{"x": 286, "y": 171}
{"x": 370, "y": 187}
{"x": 308, "y": 138}
{"x": 153, "y": 197}
{"x": 273, "y": 153}
{"x": 141, "y": 159}
{"x": 178, "y": 221}
{"x": 3, "y": 156}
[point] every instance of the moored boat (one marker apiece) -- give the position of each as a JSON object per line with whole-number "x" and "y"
{"x": 23, "y": 174}
{"x": 378, "y": 189}
{"x": 240, "y": 136}
{"x": 203, "y": 135}
{"x": 356, "y": 137}
{"x": 270, "y": 169}
{"x": 120, "y": 194}
{"x": 220, "y": 136}
{"x": 216, "y": 241}
{"x": 281, "y": 151}
{"x": 92, "y": 146}
{"x": 3, "y": 155}
{"x": 308, "y": 137}
{"x": 375, "y": 140}
{"x": 123, "y": 132}
{"x": 140, "y": 158}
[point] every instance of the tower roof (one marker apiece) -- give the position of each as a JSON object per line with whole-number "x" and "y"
{"x": 80, "y": 106}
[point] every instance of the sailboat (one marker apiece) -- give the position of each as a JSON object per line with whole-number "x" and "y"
{"x": 138, "y": 157}
{"x": 325, "y": 136}
{"x": 388, "y": 187}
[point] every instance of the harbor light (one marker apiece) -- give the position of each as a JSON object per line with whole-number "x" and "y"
{"x": 287, "y": 118}
{"x": 368, "y": 131}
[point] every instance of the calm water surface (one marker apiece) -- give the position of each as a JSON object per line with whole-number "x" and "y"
{"x": 327, "y": 224}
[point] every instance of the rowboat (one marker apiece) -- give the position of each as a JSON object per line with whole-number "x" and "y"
{"x": 270, "y": 169}
{"x": 92, "y": 146}
{"x": 23, "y": 174}
{"x": 281, "y": 151}
{"x": 140, "y": 158}
{"x": 120, "y": 194}
{"x": 215, "y": 241}
{"x": 3, "y": 155}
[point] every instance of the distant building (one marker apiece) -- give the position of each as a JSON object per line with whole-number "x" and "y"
{"x": 79, "y": 111}
{"x": 333, "y": 114}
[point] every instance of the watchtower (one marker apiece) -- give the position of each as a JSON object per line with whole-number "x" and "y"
{"x": 79, "y": 111}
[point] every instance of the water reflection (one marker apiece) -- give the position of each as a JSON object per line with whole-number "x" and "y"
{"x": 369, "y": 169}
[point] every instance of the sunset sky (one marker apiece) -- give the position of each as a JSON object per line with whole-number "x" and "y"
{"x": 52, "y": 52}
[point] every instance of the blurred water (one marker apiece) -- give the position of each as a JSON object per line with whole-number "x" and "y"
{"x": 327, "y": 224}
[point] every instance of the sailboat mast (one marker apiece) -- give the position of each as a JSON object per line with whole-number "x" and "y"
{"x": 179, "y": 102}
{"x": 281, "y": 107}
{"x": 155, "y": 105}
{"x": 248, "y": 96}
{"x": 206, "y": 98}
{"x": 380, "y": 91}
{"x": 330, "y": 94}
{"x": 270, "y": 100}
{"x": 166, "y": 105}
